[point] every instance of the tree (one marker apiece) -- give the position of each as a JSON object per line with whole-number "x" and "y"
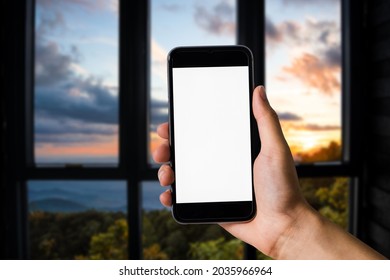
{"x": 330, "y": 153}
{"x": 219, "y": 249}
{"x": 112, "y": 244}
{"x": 66, "y": 235}
{"x": 154, "y": 252}
{"x": 334, "y": 201}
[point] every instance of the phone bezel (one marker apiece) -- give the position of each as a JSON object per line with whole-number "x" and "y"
{"x": 210, "y": 56}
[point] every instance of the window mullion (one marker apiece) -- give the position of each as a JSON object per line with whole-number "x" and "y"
{"x": 250, "y": 29}
{"x": 132, "y": 116}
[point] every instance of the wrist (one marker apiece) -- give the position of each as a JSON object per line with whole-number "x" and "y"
{"x": 310, "y": 236}
{"x": 293, "y": 242}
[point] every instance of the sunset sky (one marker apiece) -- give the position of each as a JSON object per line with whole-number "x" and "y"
{"x": 76, "y": 70}
{"x": 76, "y": 81}
{"x": 303, "y": 73}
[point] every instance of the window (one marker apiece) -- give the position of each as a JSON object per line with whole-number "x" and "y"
{"x": 76, "y": 125}
{"x": 303, "y": 75}
{"x": 77, "y": 219}
{"x": 76, "y": 82}
{"x": 94, "y": 99}
{"x": 182, "y": 23}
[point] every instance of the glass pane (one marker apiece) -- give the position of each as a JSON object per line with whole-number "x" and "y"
{"x": 76, "y": 82}
{"x": 303, "y": 75}
{"x": 77, "y": 219}
{"x": 163, "y": 238}
{"x": 179, "y": 23}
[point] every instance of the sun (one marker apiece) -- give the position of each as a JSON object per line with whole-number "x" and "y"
{"x": 308, "y": 143}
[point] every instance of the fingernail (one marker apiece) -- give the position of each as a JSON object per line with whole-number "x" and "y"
{"x": 263, "y": 94}
{"x": 160, "y": 173}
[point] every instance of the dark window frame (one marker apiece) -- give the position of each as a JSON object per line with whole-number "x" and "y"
{"x": 133, "y": 118}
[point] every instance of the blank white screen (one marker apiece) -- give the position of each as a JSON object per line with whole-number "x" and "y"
{"x": 212, "y": 134}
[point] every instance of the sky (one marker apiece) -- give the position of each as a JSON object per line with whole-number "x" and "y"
{"x": 303, "y": 72}
{"x": 303, "y": 57}
{"x": 76, "y": 81}
{"x": 76, "y": 70}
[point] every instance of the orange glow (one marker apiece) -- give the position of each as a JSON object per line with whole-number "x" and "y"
{"x": 109, "y": 148}
{"x": 300, "y": 140}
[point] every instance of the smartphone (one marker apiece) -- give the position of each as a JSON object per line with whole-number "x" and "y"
{"x": 210, "y": 131}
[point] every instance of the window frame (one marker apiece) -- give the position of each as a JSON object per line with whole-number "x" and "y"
{"x": 134, "y": 81}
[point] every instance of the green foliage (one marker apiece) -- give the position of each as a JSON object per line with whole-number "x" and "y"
{"x": 261, "y": 256}
{"x": 219, "y": 249}
{"x": 175, "y": 240}
{"x": 309, "y": 187}
{"x": 329, "y": 196}
{"x": 154, "y": 252}
{"x": 103, "y": 235}
{"x": 110, "y": 245}
{"x": 334, "y": 201}
{"x": 66, "y": 235}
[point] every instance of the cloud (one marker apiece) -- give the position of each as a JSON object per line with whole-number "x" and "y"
{"x": 315, "y": 49}
{"x": 316, "y": 127}
{"x": 309, "y": 126}
{"x": 315, "y": 73}
{"x": 219, "y": 21}
{"x": 272, "y": 32}
{"x": 171, "y": 7}
{"x": 60, "y": 132}
{"x": 70, "y": 105}
{"x": 89, "y": 5}
{"x": 49, "y": 22}
{"x": 309, "y": 130}
{"x": 159, "y": 60}
{"x": 323, "y": 32}
{"x": 85, "y": 100}
{"x": 278, "y": 33}
{"x": 51, "y": 66}
{"x": 68, "y": 126}
{"x": 158, "y": 113}
{"x": 332, "y": 56}
{"x": 70, "y": 139}
{"x": 288, "y": 116}
{"x": 313, "y": 33}
{"x": 59, "y": 88}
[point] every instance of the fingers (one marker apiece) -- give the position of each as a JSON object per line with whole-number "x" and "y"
{"x": 162, "y": 153}
{"x": 165, "y": 175}
{"x": 162, "y": 130}
{"x": 166, "y": 198}
{"x": 267, "y": 120}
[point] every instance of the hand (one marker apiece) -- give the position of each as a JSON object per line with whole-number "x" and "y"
{"x": 278, "y": 199}
{"x": 285, "y": 225}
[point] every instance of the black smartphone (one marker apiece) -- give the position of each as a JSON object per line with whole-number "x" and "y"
{"x": 210, "y": 126}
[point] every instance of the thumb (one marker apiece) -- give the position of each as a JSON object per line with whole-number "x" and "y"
{"x": 267, "y": 121}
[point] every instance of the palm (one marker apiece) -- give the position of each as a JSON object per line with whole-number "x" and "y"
{"x": 277, "y": 197}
